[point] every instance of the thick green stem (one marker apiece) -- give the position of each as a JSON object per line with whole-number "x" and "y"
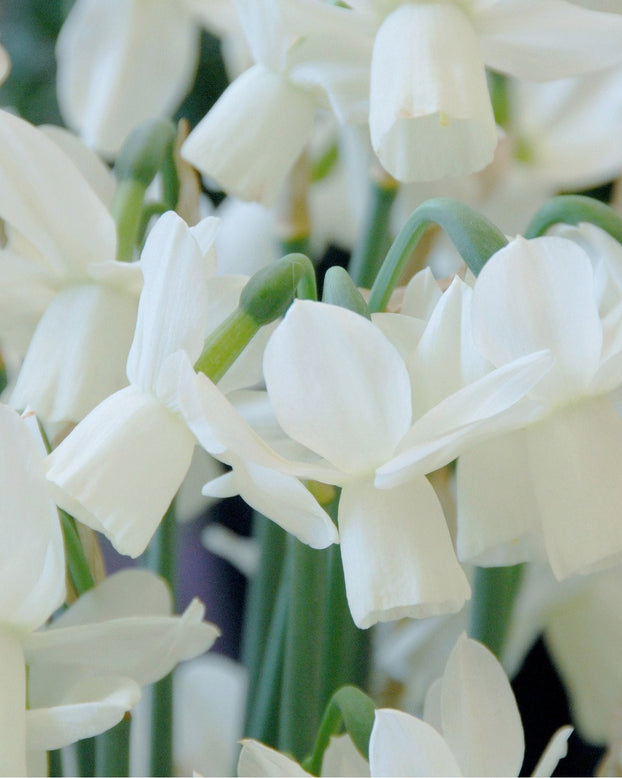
{"x": 262, "y": 721}
{"x": 77, "y": 563}
{"x": 127, "y": 209}
{"x": 347, "y": 649}
{"x": 261, "y": 599}
{"x": 302, "y": 670}
{"x": 574, "y": 209}
{"x": 85, "y": 751}
{"x": 494, "y": 595}
{"x": 113, "y": 750}
{"x": 55, "y": 763}
{"x": 499, "y": 87}
{"x": 370, "y": 251}
{"x": 473, "y": 235}
{"x": 161, "y": 558}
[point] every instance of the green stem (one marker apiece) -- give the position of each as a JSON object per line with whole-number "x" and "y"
{"x": 370, "y": 250}
{"x": 574, "y": 209}
{"x": 494, "y": 595}
{"x": 474, "y": 236}
{"x": 301, "y": 688}
{"x": 85, "y": 751}
{"x": 55, "y": 763}
{"x": 161, "y": 559}
{"x": 148, "y": 212}
{"x": 225, "y": 344}
{"x": 262, "y": 722}
{"x": 77, "y": 563}
{"x": 113, "y": 750}
{"x": 499, "y": 88}
{"x": 297, "y": 245}
{"x": 347, "y": 649}
{"x": 262, "y": 595}
{"x": 127, "y": 210}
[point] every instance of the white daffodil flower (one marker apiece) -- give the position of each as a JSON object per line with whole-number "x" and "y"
{"x": 121, "y": 466}
{"x": 555, "y": 489}
{"x": 430, "y": 114}
{"x": 342, "y": 395}
{"x": 63, "y": 294}
{"x": 472, "y": 725}
{"x": 270, "y": 109}
{"x": 114, "y": 639}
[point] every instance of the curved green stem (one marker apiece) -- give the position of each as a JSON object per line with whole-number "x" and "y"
{"x": 573, "y": 209}
{"x": 474, "y": 236}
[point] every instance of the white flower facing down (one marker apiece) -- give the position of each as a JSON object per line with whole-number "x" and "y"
{"x": 555, "y": 488}
{"x": 341, "y": 393}
{"x": 121, "y": 466}
{"x": 430, "y": 114}
{"x": 65, "y": 302}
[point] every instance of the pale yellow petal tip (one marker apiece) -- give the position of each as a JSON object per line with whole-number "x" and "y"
{"x": 5, "y": 65}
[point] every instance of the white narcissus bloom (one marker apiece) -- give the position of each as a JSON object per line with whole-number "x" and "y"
{"x": 270, "y": 109}
{"x": 342, "y": 395}
{"x": 430, "y": 114}
{"x": 63, "y": 295}
{"x": 121, "y": 466}
{"x": 472, "y": 725}
{"x": 555, "y": 488}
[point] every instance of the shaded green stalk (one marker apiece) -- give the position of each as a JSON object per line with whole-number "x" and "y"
{"x": 302, "y": 669}
{"x": 77, "y": 563}
{"x": 224, "y": 345}
{"x": 499, "y": 87}
{"x": 260, "y": 603}
{"x": 85, "y": 752}
{"x": 574, "y": 209}
{"x": 494, "y": 595}
{"x": 474, "y": 236}
{"x": 127, "y": 210}
{"x": 55, "y": 763}
{"x": 346, "y": 649}
{"x": 370, "y": 250}
{"x": 161, "y": 559}
{"x": 113, "y": 750}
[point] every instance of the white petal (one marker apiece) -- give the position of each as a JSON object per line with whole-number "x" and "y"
{"x": 337, "y": 385}
{"x": 401, "y": 745}
{"x": 77, "y": 355}
{"x": 397, "y": 555}
{"x": 487, "y": 407}
{"x": 421, "y": 295}
{"x": 263, "y": 27}
{"x": 172, "y": 313}
{"x": 121, "y": 466}
{"x": 120, "y": 63}
{"x": 144, "y": 648}
{"x": 481, "y": 722}
{"x": 430, "y": 113}
{"x": 539, "y": 294}
{"x": 12, "y": 705}
{"x": 496, "y": 514}
{"x": 89, "y": 708}
{"x": 286, "y": 501}
{"x": 573, "y": 457}
{"x": 259, "y": 760}
{"x": 32, "y": 559}
{"x": 556, "y": 749}
{"x": 46, "y": 198}
{"x": 540, "y": 40}
{"x": 343, "y": 758}
{"x": 265, "y": 150}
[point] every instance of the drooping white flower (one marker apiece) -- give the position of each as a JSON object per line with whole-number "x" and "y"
{"x": 66, "y": 302}
{"x": 555, "y": 487}
{"x": 430, "y": 114}
{"x": 270, "y": 108}
{"x": 121, "y": 466}
{"x": 342, "y": 395}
